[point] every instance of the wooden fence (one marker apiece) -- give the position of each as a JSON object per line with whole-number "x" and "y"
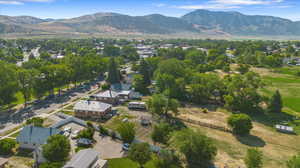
{"x": 208, "y": 125}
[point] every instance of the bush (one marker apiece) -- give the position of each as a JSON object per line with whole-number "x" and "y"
{"x": 87, "y": 133}
{"x": 7, "y": 146}
{"x": 240, "y": 123}
{"x": 51, "y": 165}
{"x": 294, "y": 162}
{"x": 254, "y": 158}
{"x": 36, "y": 121}
{"x": 103, "y": 130}
{"x": 105, "y": 86}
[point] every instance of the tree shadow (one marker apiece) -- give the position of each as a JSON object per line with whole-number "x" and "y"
{"x": 271, "y": 119}
{"x": 251, "y": 140}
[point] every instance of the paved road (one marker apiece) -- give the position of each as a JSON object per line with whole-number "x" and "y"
{"x": 45, "y": 110}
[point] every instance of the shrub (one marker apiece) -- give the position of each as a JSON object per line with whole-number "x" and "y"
{"x": 254, "y": 158}
{"x": 7, "y": 146}
{"x": 240, "y": 123}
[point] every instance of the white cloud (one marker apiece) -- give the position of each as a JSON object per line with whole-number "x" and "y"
{"x": 20, "y": 2}
{"x": 11, "y": 3}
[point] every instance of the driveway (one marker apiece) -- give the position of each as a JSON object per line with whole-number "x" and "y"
{"x": 108, "y": 148}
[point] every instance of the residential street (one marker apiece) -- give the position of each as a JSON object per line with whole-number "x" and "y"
{"x": 45, "y": 110}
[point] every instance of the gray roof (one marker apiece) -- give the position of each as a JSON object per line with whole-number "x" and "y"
{"x": 94, "y": 106}
{"x": 83, "y": 159}
{"x": 36, "y": 135}
{"x": 107, "y": 94}
{"x": 69, "y": 120}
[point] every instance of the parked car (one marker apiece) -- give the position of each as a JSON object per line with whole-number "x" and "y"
{"x": 74, "y": 134}
{"x": 126, "y": 147}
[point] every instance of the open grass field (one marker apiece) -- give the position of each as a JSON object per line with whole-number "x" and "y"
{"x": 277, "y": 147}
{"x": 284, "y": 80}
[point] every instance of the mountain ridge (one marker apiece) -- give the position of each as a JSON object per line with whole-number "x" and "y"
{"x": 197, "y": 22}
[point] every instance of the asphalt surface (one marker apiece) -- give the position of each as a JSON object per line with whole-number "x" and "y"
{"x": 45, "y": 106}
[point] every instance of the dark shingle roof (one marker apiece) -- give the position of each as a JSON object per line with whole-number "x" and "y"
{"x": 36, "y": 135}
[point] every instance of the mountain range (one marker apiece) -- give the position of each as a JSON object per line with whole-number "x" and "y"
{"x": 196, "y": 22}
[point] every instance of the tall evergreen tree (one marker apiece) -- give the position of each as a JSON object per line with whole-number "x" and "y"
{"x": 144, "y": 70}
{"x": 113, "y": 72}
{"x": 275, "y": 104}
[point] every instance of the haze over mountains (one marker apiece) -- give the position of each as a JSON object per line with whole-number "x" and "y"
{"x": 197, "y": 22}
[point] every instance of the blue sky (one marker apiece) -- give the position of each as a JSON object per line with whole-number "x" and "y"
{"x": 71, "y": 8}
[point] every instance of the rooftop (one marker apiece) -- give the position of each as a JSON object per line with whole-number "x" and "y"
{"x": 36, "y": 135}
{"x": 91, "y": 106}
{"x": 107, "y": 94}
{"x": 83, "y": 159}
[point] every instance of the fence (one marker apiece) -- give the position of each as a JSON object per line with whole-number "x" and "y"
{"x": 208, "y": 125}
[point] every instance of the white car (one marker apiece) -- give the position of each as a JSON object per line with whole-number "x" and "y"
{"x": 68, "y": 129}
{"x": 74, "y": 134}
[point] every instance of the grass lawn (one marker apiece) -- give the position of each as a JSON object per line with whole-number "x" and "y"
{"x": 127, "y": 163}
{"x": 288, "y": 85}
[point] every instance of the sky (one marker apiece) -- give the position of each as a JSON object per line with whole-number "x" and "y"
{"x": 57, "y": 9}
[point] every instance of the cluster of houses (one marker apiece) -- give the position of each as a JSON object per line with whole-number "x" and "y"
{"x": 100, "y": 105}
{"x": 32, "y": 138}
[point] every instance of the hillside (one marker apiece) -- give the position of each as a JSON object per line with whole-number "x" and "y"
{"x": 198, "y": 22}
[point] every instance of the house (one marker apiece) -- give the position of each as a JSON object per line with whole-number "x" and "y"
{"x": 109, "y": 96}
{"x": 117, "y": 87}
{"x": 87, "y": 158}
{"x": 67, "y": 121}
{"x": 91, "y": 109}
{"x": 32, "y": 137}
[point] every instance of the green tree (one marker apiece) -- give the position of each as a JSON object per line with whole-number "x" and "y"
{"x": 111, "y": 51}
{"x": 254, "y": 158}
{"x": 57, "y": 148}
{"x": 243, "y": 68}
{"x": 113, "y": 72}
{"x": 167, "y": 159}
{"x": 130, "y": 53}
{"x": 126, "y": 131}
{"x": 161, "y": 133}
{"x": 139, "y": 84}
{"x": 294, "y": 162}
{"x": 162, "y": 105}
{"x": 87, "y": 133}
{"x": 275, "y": 104}
{"x": 7, "y": 146}
{"x": 145, "y": 70}
{"x": 140, "y": 153}
{"x": 240, "y": 123}
{"x": 198, "y": 149}
{"x": 8, "y": 83}
{"x": 26, "y": 79}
